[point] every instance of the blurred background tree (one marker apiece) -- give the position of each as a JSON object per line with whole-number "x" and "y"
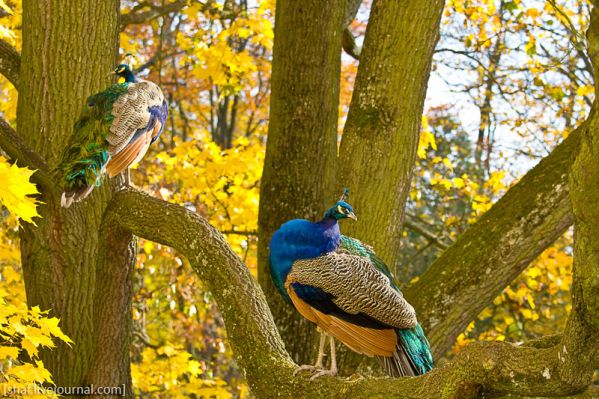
{"x": 510, "y": 80}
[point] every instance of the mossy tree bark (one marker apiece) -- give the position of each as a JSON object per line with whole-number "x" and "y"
{"x": 68, "y": 47}
{"x": 10, "y": 62}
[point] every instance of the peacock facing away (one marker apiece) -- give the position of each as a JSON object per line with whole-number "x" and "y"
{"x": 339, "y": 284}
{"x": 114, "y": 131}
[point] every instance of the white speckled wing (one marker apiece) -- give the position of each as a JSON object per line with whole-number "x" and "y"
{"x": 357, "y": 286}
{"x": 131, "y": 112}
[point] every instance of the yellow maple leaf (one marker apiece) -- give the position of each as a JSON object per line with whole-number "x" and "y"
{"x": 16, "y": 191}
{"x": 5, "y": 7}
{"x": 50, "y": 325}
{"x": 30, "y": 347}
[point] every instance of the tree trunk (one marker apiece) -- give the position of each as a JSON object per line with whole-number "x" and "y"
{"x": 68, "y": 48}
{"x": 301, "y": 150}
{"x": 380, "y": 139}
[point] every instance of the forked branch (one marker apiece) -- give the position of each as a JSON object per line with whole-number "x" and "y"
{"x": 491, "y": 367}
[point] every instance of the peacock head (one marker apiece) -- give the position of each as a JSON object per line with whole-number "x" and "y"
{"x": 341, "y": 209}
{"x": 124, "y": 71}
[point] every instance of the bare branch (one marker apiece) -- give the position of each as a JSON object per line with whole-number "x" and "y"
{"x": 240, "y": 232}
{"x": 348, "y": 41}
{"x": 141, "y": 17}
{"x": 424, "y": 232}
{"x": 10, "y": 62}
{"x": 349, "y": 44}
{"x": 135, "y": 18}
{"x": 19, "y": 152}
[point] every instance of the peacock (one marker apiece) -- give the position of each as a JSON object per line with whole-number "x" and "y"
{"x": 342, "y": 286}
{"x": 114, "y": 131}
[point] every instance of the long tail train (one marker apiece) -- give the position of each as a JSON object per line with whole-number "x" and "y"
{"x": 82, "y": 176}
{"x": 412, "y": 355}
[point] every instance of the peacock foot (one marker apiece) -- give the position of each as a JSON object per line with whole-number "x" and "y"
{"x": 308, "y": 367}
{"x": 321, "y": 373}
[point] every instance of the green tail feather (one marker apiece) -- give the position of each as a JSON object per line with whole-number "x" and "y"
{"x": 87, "y": 154}
{"x": 416, "y": 345}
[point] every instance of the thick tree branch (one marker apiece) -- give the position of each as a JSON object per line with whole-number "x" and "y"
{"x": 10, "y": 62}
{"x": 484, "y": 367}
{"x": 19, "y": 152}
{"x": 493, "y": 252}
{"x": 251, "y": 330}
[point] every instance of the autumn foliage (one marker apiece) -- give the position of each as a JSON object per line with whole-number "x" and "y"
{"x": 515, "y": 64}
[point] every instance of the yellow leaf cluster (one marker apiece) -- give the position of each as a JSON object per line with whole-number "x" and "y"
{"x": 221, "y": 184}
{"x": 532, "y": 305}
{"x": 25, "y": 330}
{"x": 426, "y": 140}
{"x": 170, "y": 372}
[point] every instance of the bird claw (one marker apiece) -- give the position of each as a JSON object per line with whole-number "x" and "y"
{"x": 307, "y": 367}
{"x": 322, "y": 373}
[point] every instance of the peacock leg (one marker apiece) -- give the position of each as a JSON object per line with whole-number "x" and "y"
{"x": 333, "y": 370}
{"x": 318, "y": 364}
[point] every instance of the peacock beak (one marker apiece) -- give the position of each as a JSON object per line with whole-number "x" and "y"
{"x": 351, "y": 215}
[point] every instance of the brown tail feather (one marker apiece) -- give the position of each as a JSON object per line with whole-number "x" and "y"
{"x": 399, "y": 365}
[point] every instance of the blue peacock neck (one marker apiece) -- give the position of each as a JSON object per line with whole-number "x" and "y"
{"x": 328, "y": 228}
{"x": 129, "y": 77}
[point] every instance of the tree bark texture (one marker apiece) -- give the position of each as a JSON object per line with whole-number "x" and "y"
{"x": 380, "y": 137}
{"x": 68, "y": 48}
{"x": 302, "y": 138}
